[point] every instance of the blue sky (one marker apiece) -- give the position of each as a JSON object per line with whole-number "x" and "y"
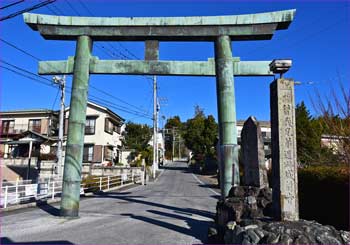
{"x": 317, "y": 41}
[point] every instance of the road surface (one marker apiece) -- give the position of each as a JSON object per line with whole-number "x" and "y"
{"x": 176, "y": 209}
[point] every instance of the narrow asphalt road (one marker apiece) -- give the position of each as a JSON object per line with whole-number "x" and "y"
{"x": 176, "y": 209}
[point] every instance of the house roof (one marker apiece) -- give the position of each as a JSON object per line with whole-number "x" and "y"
{"x": 105, "y": 109}
{"x": 28, "y": 111}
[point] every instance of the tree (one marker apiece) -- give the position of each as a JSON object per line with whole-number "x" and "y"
{"x": 201, "y": 135}
{"x": 308, "y": 135}
{"x": 176, "y": 124}
{"x": 334, "y": 111}
{"x": 137, "y": 136}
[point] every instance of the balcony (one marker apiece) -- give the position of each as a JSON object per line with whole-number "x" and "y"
{"x": 18, "y": 129}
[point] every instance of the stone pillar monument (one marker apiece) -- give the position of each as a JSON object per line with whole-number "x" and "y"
{"x": 284, "y": 154}
{"x": 253, "y": 155}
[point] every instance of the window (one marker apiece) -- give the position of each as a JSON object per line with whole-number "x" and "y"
{"x": 108, "y": 154}
{"x": 108, "y": 126}
{"x": 7, "y": 127}
{"x": 35, "y": 125}
{"x": 88, "y": 153}
{"x": 117, "y": 129}
{"x": 90, "y": 125}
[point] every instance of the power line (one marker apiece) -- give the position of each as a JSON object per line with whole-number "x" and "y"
{"x": 123, "y": 108}
{"x": 54, "y": 102}
{"x": 38, "y": 59}
{"x": 19, "y": 49}
{"x": 92, "y": 97}
{"x": 11, "y": 4}
{"x": 39, "y": 5}
{"x": 85, "y": 7}
{"x": 24, "y": 70}
{"x": 23, "y": 75}
{"x": 117, "y": 53}
{"x": 74, "y": 10}
{"x": 116, "y": 98}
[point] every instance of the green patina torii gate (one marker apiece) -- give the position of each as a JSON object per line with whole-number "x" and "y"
{"x": 218, "y": 29}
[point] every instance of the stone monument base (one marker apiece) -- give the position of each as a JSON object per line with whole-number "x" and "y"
{"x": 245, "y": 218}
{"x": 287, "y": 232}
{"x": 244, "y": 202}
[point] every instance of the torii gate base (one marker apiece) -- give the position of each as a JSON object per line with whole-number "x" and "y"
{"x": 218, "y": 29}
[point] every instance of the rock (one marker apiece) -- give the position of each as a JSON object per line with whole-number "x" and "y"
{"x": 285, "y": 239}
{"x": 231, "y": 225}
{"x": 326, "y": 239}
{"x": 260, "y": 232}
{"x": 250, "y": 227}
{"x": 212, "y": 231}
{"x": 254, "y": 238}
{"x": 345, "y": 235}
{"x": 301, "y": 239}
{"x": 250, "y": 200}
{"x": 252, "y": 191}
{"x": 272, "y": 238}
{"x": 237, "y": 191}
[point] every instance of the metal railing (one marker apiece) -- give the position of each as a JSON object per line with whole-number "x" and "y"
{"x": 20, "y": 192}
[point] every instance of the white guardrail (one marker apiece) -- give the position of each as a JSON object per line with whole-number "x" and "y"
{"x": 23, "y": 191}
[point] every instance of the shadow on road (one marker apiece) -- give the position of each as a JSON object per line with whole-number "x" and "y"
{"x": 116, "y": 195}
{"x": 209, "y": 186}
{"x": 6, "y": 240}
{"x": 184, "y": 169}
{"x": 197, "y": 228}
{"x": 48, "y": 208}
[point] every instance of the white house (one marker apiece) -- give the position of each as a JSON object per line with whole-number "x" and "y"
{"x": 30, "y": 136}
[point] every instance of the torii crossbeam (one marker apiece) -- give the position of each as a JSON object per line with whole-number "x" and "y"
{"x": 218, "y": 29}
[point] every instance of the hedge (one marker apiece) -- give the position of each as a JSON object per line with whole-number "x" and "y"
{"x": 324, "y": 195}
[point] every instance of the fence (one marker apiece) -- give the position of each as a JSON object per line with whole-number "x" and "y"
{"x": 19, "y": 192}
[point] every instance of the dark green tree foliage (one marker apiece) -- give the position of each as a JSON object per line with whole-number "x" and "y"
{"x": 308, "y": 135}
{"x": 137, "y": 136}
{"x": 172, "y": 123}
{"x": 201, "y": 135}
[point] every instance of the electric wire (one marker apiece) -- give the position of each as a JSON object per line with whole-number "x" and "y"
{"x": 38, "y": 59}
{"x": 39, "y": 5}
{"x": 11, "y": 4}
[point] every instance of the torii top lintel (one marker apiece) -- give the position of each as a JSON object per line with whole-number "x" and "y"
{"x": 259, "y": 26}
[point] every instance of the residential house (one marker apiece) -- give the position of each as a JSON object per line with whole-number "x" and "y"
{"x": 103, "y": 135}
{"x": 28, "y": 140}
{"x": 24, "y": 136}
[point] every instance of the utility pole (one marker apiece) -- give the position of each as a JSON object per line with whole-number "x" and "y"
{"x": 173, "y": 144}
{"x": 155, "y": 144}
{"x": 163, "y": 136}
{"x": 179, "y": 147}
{"x": 61, "y": 81}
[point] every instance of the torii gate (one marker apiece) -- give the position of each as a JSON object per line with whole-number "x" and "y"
{"x": 218, "y": 29}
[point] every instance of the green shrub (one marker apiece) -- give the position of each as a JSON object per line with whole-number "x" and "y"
{"x": 324, "y": 195}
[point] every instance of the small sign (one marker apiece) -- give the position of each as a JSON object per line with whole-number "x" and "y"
{"x": 124, "y": 177}
{"x": 31, "y": 189}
